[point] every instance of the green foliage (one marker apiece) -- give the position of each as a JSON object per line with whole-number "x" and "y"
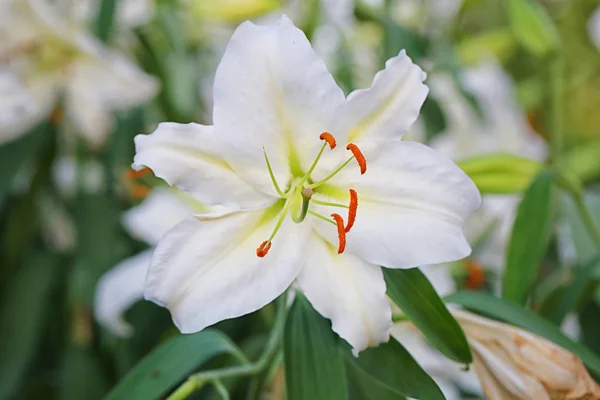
{"x": 24, "y": 313}
{"x": 529, "y": 238}
{"x": 170, "y": 363}
{"x": 314, "y": 368}
{"x": 413, "y": 293}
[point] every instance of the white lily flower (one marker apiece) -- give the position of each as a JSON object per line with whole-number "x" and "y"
{"x": 502, "y": 128}
{"x": 273, "y": 102}
{"x": 53, "y": 59}
{"x": 123, "y": 285}
{"x": 15, "y": 105}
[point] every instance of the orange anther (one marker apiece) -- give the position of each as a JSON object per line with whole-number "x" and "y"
{"x": 263, "y": 249}
{"x": 475, "y": 275}
{"x": 358, "y": 155}
{"x": 341, "y": 232}
{"x": 139, "y": 191}
{"x": 328, "y": 137}
{"x": 352, "y": 210}
{"x": 133, "y": 175}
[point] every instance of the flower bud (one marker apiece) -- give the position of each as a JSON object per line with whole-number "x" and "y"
{"x": 500, "y": 173}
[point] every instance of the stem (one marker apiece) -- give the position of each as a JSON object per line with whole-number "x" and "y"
{"x": 197, "y": 381}
{"x": 556, "y": 109}
{"x": 587, "y": 219}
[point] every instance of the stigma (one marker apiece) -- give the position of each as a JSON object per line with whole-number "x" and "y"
{"x": 299, "y": 196}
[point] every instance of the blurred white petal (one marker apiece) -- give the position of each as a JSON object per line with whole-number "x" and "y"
{"x": 119, "y": 289}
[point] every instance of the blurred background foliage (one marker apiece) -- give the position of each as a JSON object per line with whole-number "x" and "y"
{"x": 62, "y": 199}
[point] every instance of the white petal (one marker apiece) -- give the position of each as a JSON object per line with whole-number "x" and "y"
{"x": 272, "y": 92}
{"x": 189, "y": 157}
{"x": 391, "y": 105}
{"x": 18, "y": 109}
{"x": 349, "y": 292}
{"x": 116, "y": 82}
{"x": 440, "y": 277}
{"x": 157, "y": 214}
{"x": 412, "y": 204}
{"x": 205, "y": 270}
{"x": 119, "y": 289}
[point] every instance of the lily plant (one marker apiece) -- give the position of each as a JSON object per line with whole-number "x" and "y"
{"x": 320, "y": 189}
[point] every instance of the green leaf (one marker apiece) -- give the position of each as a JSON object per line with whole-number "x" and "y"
{"x": 364, "y": 387}
{"x": 396, "y": 38}
{"x": 23, "y": 314}
{"x": 170, "y": 363}
{"x": 532, "y": 27}
{"x": 413, "y": 293}
{"x": 314, "y": 366}
{"x": 82, "y": 376}
{"x": 393, "y": 368}
{"x": 573, "y": 294}
{"x": 14, "y": 155}
{"x": 513, "y": 313}
{"x": 578, "y": 238}
{"x": 433, "y": 116}
{"x": 105, "y": 19}
{"x": 529, "y": 238}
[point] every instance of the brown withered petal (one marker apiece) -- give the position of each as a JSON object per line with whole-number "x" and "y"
{"x": 514, "y": 364}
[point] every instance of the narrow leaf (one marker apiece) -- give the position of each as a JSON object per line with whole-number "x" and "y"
{"x": 105, "y": 19}
{"x": 14, "y": 155}
{"x": 413, "y": 293}
{"x": 392, "y": 367}
{"x": 314, "y": 367}
{"x": 529, "y": 238}
{"x": 513, "y": 313}
{"x": 170, "y": 363}
{"x": 532, "y": 26}
{"x": 364, "y": 387}
{"x": 23, "y": 314}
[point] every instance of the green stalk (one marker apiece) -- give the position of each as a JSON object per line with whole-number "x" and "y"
{"x": 197, "y": 381}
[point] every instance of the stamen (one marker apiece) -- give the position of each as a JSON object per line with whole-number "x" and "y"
{"x": 328, "y": 137}
{"x": 341, "y": 232}
{"x": 279, "y": 191}
{"x": 316, "y": 214}
{"x": 352, "y": 210}
{"x": 264, "y": 248}
{"x": 360, "y": 158}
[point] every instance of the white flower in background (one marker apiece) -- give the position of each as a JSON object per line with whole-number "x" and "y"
{"x": 302, "y": 209}
{"x": 123, "y": 285}
{"x": 15, "y": 105}
{"x": 128, "y": 13}
{"x": 502, "y": 128}
{"x": 55, "y": 60}
{"x": 514, "y": 364}
{"x": 594, "y": 28}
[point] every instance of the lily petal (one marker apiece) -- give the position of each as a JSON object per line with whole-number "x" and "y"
{"x": 349, "y": 292}
{"x": 206, "y": 270}
{"x": 391, "y": 105}
{"x": 189, "y": 157}
{"x": 272, "y": 92}
{"x": 119, "y": 289}
{"x": 156, "y": 215}
{"x": 412, "y": 205}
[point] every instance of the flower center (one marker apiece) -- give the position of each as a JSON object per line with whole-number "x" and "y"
{"x": 42, "y": 55}
{"x": 300, "y": 195}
